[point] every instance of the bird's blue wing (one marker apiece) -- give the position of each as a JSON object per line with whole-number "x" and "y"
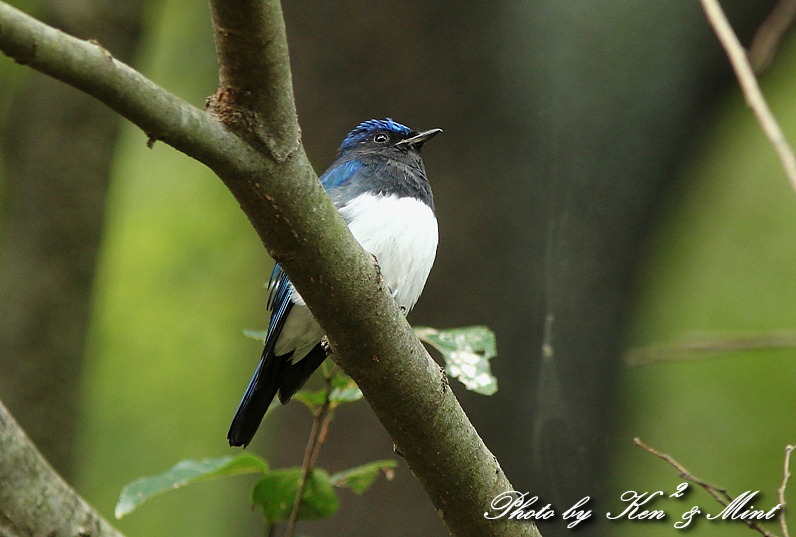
{"x": 280, "y": 305}
{"x": 278, "y": 373}
{"x": 272, "y": 370}
{"x": 337, "y": 176}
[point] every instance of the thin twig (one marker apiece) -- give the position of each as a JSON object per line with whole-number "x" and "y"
{"x": 719, "y": 494}
{"x": 769, "y": 34}
{"x": 327, "y": 418}
{"x": 320, "y": 426}
{"x": 749, "y": 86}
{"x": 781, "y": 490}
{"x": 707, "y": 346}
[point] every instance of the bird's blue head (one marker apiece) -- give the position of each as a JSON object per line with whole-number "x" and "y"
{"x": 380, "y": 156}
{"x": 379, "y": 134}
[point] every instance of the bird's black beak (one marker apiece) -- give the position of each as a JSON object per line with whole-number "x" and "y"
{"x": 420, "y": 138}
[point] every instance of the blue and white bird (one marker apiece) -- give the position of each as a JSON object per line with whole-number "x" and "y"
{"x": 378, "y": 184}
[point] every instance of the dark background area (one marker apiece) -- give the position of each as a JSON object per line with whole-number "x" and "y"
{"x": 588, "y": 195}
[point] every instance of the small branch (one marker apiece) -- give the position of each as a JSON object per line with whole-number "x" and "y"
{"x": 320, "y": 426}
{"x": 255, "y": 97}
{"x": 719, "y": 494}
{"x": 751, "y": 89}
{"x": 783, "y": 523}
{"x": 34, "y": 500}
{"x": 90, "y": 68}
{"x": 708, "y": 347}
{"x": 770, "y": 33}
{"x": 327, "y": 418}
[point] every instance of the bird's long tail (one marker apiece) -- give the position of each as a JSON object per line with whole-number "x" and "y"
{"x": 267, "y": 379}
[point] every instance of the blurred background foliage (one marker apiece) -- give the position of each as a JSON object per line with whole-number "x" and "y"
{"x": 720, "y": 265}
{"x": 599, "y": 172}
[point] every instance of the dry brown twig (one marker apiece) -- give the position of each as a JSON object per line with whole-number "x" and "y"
{"x": 749, "y": 86}
{"x": 719, "y": 494}
{"x": 770, "y": 33}
{"x": 781, "y": 490}
{"x": 320, "y": 427}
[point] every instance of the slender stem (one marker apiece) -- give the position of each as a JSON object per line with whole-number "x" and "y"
{"x": 327, "y": 418}
{"x": 707, "y": 346}
{"x": 719, "y": 494}
{"x": 770, "y": 33}
{"x": 781, "y": 490}
{"x": 320, "y": 425}
{"x": 749, "y": 86}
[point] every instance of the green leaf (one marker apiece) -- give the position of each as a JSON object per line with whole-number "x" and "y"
{"x": 184, "y": 473}
{"x": 467, "y": 352}
{"x": 259, "y": 335}
{"x": 360, "y": 478}
{"x": 340, "y": 379}
{"x": 276, "y": 492}
{"x": 310, "y": 399}
{"x": 346, "y": 395}
{"x": 345, "y": 390}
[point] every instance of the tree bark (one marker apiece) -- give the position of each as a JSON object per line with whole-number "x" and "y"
{"x": 34, "y": 499}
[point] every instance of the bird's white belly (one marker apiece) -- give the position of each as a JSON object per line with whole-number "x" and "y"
{"x": 401, "y": 233}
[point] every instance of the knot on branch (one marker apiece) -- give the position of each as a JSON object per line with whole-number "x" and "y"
{"x": 236, "y": 110}
{"x": 23, "y": 53}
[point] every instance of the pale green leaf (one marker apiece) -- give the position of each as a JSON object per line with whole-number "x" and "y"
{"x": 310, "y": 399}
{"x": 345, "y": 390}
{"x": 360, "y": 478}
{"x": 184, "y": 473}
{"x": 467, "y": 352}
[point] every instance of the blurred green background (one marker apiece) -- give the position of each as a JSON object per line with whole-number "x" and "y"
{"x": 598, "y": 165}
{"x": 721, "y": 264}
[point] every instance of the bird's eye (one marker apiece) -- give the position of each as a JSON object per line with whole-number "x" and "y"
{"x": 381, "y": 138}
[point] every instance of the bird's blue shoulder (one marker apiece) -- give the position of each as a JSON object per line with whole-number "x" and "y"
{"x": 339, "y": 174}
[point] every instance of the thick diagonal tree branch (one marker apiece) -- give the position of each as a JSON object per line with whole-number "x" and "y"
{"x": 34, "y": 500}
{"x": 259, "y": 157}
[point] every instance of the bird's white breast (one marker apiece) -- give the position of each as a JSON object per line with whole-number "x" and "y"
{"x": 402, "y": 233}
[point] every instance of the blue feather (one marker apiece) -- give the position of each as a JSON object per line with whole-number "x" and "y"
{"x": 339, "y": 175}
{"x": 366, "y": 128}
